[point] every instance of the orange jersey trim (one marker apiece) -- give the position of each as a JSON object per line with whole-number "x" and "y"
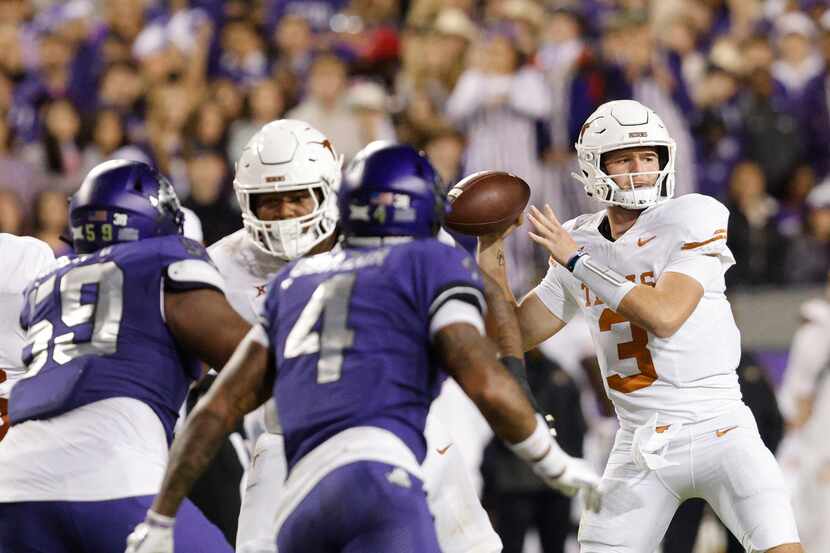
{"x": 693, "y": 245}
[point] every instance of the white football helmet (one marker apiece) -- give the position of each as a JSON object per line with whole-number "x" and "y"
{"x": 614, "y": 126}
{"x": 287, "y": 155}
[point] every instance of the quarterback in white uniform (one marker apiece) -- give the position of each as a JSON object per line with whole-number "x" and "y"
{"x": 21, "y": 260}
{"x": 648, "y": 275}
{"x": 286, "y": 182}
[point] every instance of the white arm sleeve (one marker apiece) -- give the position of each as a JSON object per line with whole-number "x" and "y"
{"x": 455, "y": 311}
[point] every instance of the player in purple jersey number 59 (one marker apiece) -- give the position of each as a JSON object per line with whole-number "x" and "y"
{"x": 111, "y": 338}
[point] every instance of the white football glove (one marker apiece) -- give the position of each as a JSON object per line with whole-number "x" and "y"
{"x": 154, "y": 535}
{"x": 569, "y": 475}
{"x": 556, "y": 468}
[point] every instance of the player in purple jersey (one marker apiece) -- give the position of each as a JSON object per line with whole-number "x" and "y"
{"x": 111, "y": 338}
{"x": 354, "y": 344}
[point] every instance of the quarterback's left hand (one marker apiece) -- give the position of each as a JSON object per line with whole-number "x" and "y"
{"x": 550, "y": 234}
{"x": 154, "y": 535}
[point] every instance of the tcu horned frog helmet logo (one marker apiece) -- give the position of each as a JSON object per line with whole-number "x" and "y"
{"x": 284, "y": 156}
{"x": 615, "y": 126}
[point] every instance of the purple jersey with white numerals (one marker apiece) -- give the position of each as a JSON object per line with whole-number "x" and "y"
{"x": 96, "y": 330}
{"x": 351, "y": 334}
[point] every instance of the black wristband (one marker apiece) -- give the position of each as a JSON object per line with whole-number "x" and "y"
{"x": 516, "y": 367}
{"x": 571, "y": 264}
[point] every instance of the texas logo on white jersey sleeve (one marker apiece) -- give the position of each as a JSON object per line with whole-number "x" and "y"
{"x": 689, "y": 376}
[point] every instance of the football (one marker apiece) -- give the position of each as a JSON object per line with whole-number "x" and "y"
{"x": 486, "y": 202}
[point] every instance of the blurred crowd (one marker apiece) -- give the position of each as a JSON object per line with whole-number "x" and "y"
{"x": 490, "y": 84}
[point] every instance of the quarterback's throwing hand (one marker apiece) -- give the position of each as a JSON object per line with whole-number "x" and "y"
{"x": 550, "y": 234}
{"x": 154, "y": 535}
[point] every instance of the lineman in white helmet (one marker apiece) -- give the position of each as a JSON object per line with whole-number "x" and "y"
{"x": 286, "y": 181}
{"x": 647, "y": 272}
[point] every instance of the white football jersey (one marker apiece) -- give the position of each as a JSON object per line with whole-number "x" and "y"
{"x": 22, "y": 258}
{"x": 689, "y": 376}
{"x": 246, "y": 270}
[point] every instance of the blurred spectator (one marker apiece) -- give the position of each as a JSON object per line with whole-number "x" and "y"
{"x": 526, "y": 18}
{"x": 265, "y": 103}
{"x": 18, "y": 176}
{"x": 295, "y": 46}
{"x": 107, "y": 135}
{"x": 11, "y": 44}
{"x": 325, "y": 106}
{"x": 499, "y": 101}
{"x": 366, "y": 32}
{"x": 753, "y": 234}
{"x": 229, "y": 97}
{"x": 419, "y": 120}
{"x": 808, "y": 259}
{"x": 121, "y": 88}
{"x": 370, "y": 105}
{"x": 798, "y": 62}
{"x": 445, "y": 149}
{"x": 454, "y": 31}
{"x": 124, "y": 18}
{"x": 771, "y": 135}
{"x": 209, "y": 179}
{"x": 717, "y": 129}
{"x": 16, "y": 11}
{"x": 11, "y": 213}
{"x": 170, "y": 108}
{"x": 59, "y": 149}
{"x": 243, "y": 58}
{"x": 791, "y": 209}
{"x": 433, "y": 57}
{"x": 207, "y": 128}
{"x": 51, "y": 217}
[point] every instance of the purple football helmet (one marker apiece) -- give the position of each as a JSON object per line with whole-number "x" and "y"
{"x": 123, "y": 201}
{"x": 391, "y": 190}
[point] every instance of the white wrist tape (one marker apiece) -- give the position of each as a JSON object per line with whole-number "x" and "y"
{"x": 535, "y": 446}
{"x": 155, "y": 519}
{"x": 609, "y": 285}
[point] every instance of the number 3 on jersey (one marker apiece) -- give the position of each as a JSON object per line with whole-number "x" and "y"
{"x": 331, "y": 296}
{"x": 637, "y": 349}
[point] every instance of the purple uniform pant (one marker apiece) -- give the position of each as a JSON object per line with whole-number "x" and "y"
{"x": 97, "y": 527}
{"x": 363, "y": 507}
